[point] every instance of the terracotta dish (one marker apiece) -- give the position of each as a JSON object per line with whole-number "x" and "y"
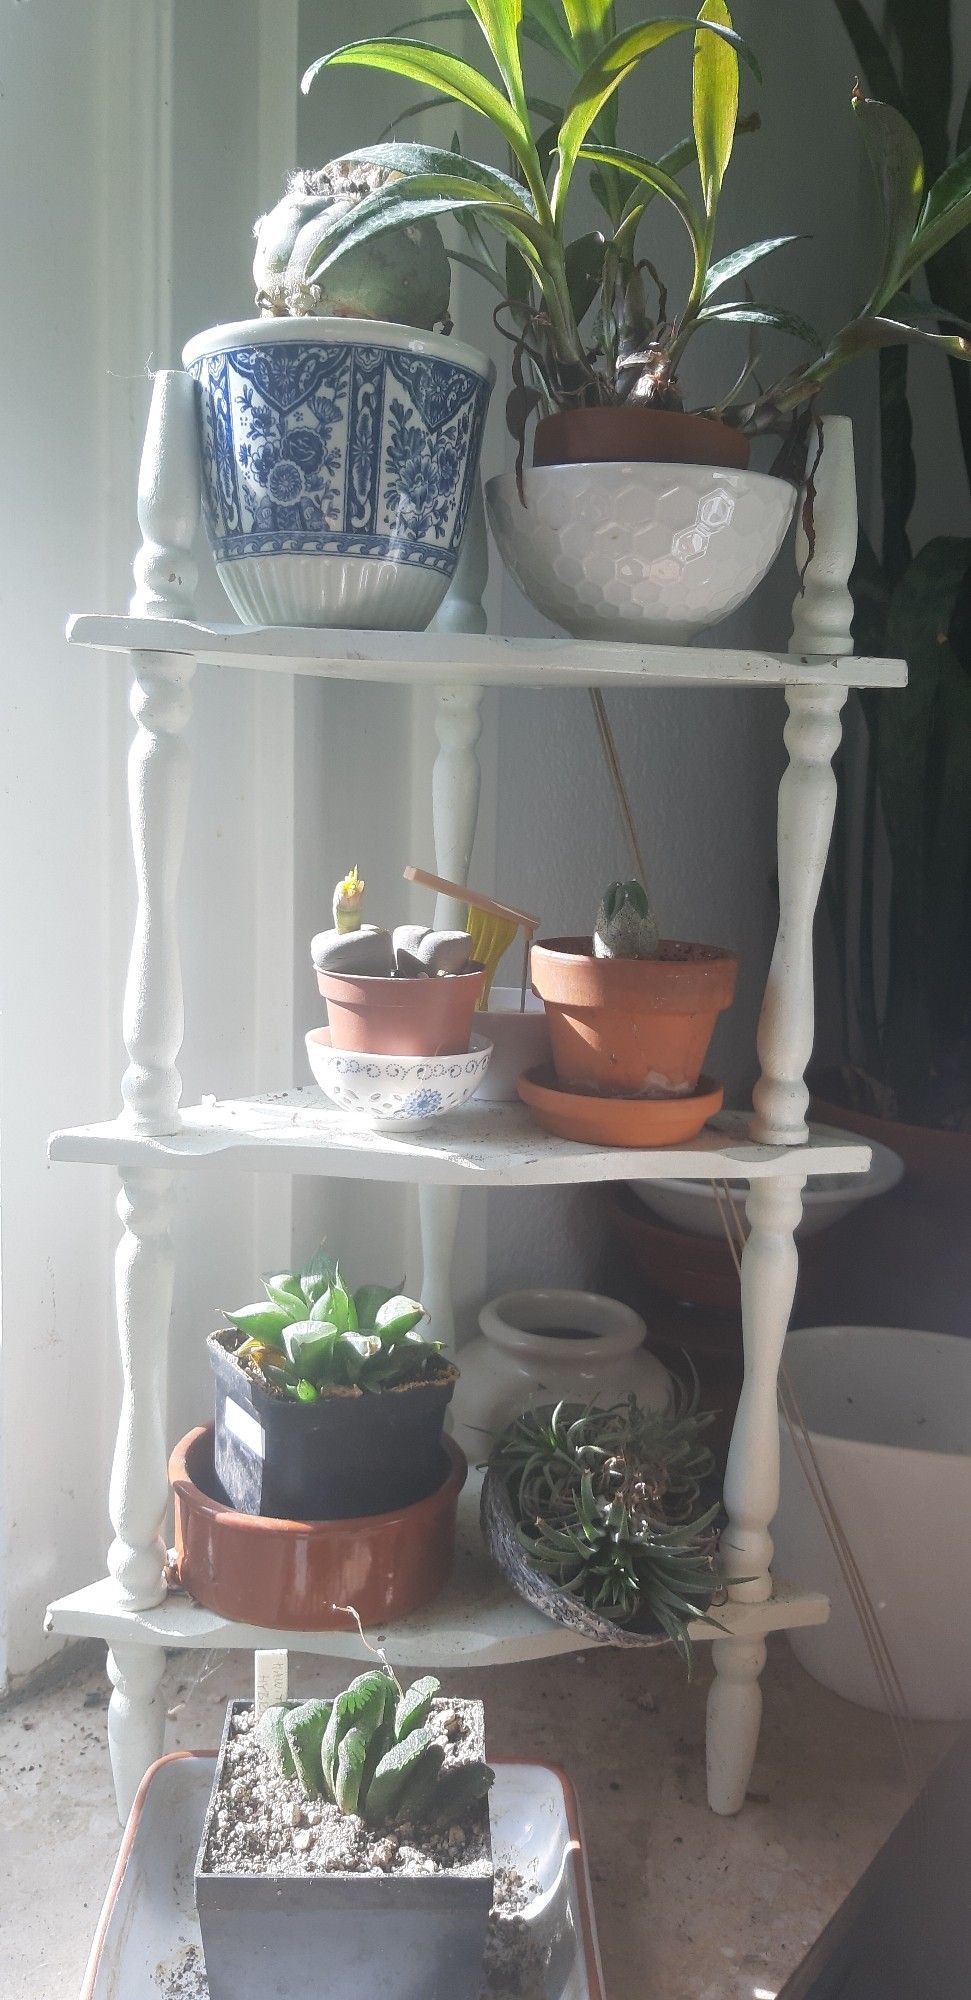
{"x": 618, "y": 1121}
{"x": 289, "y": 1575}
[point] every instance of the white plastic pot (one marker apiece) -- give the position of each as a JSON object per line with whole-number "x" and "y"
{"x": 520, "y": 1040}
{"x": 515, "y": 1365}
{"x": 649, "y": 553}
{"x": 692, "y": 1205}
{"x": 889, "y": 1413}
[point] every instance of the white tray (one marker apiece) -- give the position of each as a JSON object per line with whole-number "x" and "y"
{"x": 146, "y": 1946}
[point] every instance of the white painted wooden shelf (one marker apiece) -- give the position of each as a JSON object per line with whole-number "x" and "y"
{"x": 484, "y": 1145}
{"x": 477, "y": 1620}
{"x": 484, "y": 659}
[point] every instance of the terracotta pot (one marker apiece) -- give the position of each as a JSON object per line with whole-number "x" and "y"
{"x": 289, "y": 1575}
{"x": 626, "y": 434}
{"x": 401, "y": 1017}
{"x": 631, "y": 1027}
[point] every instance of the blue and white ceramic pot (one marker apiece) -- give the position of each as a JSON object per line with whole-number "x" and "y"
{"x": 339, "y": 460}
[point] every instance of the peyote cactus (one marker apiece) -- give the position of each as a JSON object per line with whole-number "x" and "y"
{"x": 370, "y": 1752}
{"x": 626, "y": 926}
{"x": 313, "y": 1336}
{"x": 402, "y": 275}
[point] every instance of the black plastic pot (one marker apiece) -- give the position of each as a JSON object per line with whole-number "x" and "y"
{"x": 408, "y": 1937}
{"x": 346, "y": 1454}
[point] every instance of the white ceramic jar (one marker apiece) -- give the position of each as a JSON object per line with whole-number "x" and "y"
{"x": 542, "y": 1346}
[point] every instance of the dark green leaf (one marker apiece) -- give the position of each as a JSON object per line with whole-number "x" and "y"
{"x": 304, "y": 1728}
{"x": 460, "y": 1788}
{"x": 286, "y": 1292}
{"x": 363, "y": 1706}
{"x": 264, "y": 1323}
{"x": 413, "y": 160}
{"x": 743, "y": 312}
{"x": 414, "y": 1706}
{"x": 398, "y": 1316}
{"x": 420, "y": 1783}
{"x": 737, "y": 261}
{"x": 946, "y": 212}
{"x": 369, "y": 1299}
{"x": 308, "y": 1345}
{"x": 349, "y": 1774}
{"x": 876, "y": 330}
{"x": 898, "y": 166}
{"x": 271, "y": 1736}
{"x": 871, "y": 53}
{"x": 656, "y": 177}
{"x": 393, "y": 1772}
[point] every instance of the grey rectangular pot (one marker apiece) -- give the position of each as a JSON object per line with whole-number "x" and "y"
{"x": 290, "y": 1937}
{"x": 330, "y": 1460}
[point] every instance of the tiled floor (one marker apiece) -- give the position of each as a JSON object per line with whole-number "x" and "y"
{"x": 689, "y": 1907}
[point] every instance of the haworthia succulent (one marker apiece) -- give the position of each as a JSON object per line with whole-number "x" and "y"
{"x": 304, "y": 1728}
{"x": 458, "y": 1788}
{"x": 349, "y": 1776}
{"x": 420, "y": 1784}
{"x": 388, "y": 1783}
{"x": 361, "y": 1705}
{"x": 270, "y": 1734}
{"x": 413, "y": 1708}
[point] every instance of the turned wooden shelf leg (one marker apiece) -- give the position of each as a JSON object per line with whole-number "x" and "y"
{"x": 158, "y": 786}
{"x": 751, "y": 1493}
{"x": 822, "y": 617}
{"x": 455, "y": 806}
{"x": 807, "y": 802}
{"x": 136, "y": 1718}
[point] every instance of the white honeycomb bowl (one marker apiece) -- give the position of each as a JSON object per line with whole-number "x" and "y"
{"x": 650, "y": 553}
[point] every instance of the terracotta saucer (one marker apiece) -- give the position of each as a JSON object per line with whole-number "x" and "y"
{"x": 618, "y": 1121}
{"x": 291, "y": 1575}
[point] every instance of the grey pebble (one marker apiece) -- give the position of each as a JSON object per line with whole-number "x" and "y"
{"x": 445, "y": 951}
{"x": 368, "y": 951}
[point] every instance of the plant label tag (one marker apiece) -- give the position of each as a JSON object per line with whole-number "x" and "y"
{"x": 244, "y": 1427}
{"x": 271, "y": 1679}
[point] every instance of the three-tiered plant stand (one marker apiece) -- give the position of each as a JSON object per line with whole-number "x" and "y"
{"x": 477, "y": 1621}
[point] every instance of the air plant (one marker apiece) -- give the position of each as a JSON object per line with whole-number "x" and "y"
{"x": 609, "y": 1505}
{"x": 579, "y": 304}
{"x": 369, "y": 1752}
{"x": 311, "y": 1335}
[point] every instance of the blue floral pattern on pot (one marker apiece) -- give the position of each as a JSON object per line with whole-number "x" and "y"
{"x": 338, "y": 449}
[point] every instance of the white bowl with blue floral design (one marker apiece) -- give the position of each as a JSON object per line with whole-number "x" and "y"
{"x": 339, "y": 461}
{"x": 399, "y": 1093}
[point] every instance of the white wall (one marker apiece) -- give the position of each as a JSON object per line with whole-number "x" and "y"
{"x": 140, "y": 138}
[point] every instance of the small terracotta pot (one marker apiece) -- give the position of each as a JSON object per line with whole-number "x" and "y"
{"x": 401, "y": 1017}
{"x": 289, "y": 1575}
{"x": 626, "y": 433}
{"x": 631, "y": 1027}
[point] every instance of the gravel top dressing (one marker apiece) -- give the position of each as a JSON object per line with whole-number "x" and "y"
{"x": 263, "y": 1825}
